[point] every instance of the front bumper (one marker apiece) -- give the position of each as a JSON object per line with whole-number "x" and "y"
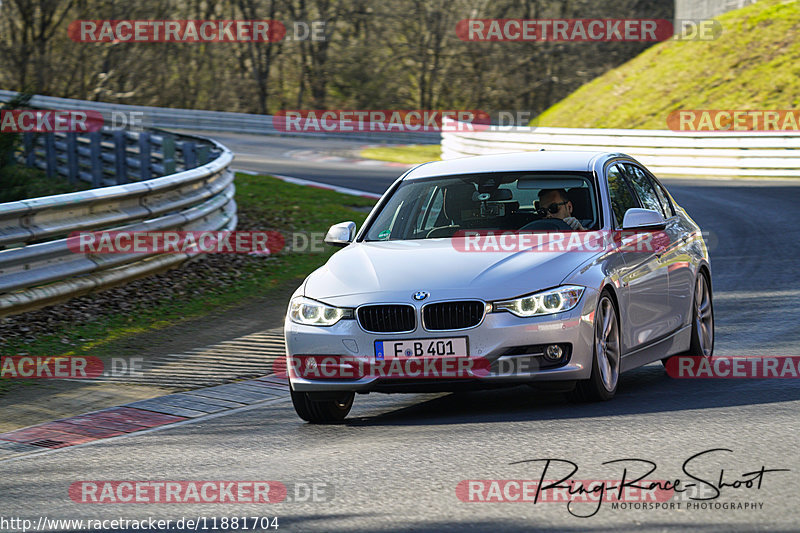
{"x": 497, "y": 341}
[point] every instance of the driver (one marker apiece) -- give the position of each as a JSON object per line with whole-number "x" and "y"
{"x": 556, "y": 205}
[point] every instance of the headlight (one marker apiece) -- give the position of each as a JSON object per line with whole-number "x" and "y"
{"x": 312, "y": 313}
{"x": 547, "y": 302}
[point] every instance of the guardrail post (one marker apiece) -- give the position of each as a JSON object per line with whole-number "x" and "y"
{"x": 168, "y": 154}
{"x": 203, "y": 154}
{"x": 29, "y": 145}
{"x": 95, "y": 162}
{"x": 145, "y": 170}
{"x": 189, "y": 155}
{"x": 72, "y": 156}
{"x": 120, "y": 156}
{"x": 50, "y": 155}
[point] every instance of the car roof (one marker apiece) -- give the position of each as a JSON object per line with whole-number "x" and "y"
{"x": 576, "y": 161}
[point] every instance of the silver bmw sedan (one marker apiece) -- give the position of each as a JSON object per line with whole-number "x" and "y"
{"x": 555, "y": 269}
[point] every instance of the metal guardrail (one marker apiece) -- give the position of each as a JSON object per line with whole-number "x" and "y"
{"x": 666, "y": 153}
{"x": 222, "y": 121}
{"x": 113, "y": 157}
{"x": 36, "y": 266}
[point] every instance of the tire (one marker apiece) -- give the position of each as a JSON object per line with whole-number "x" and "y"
{"x": 702, "y": 340}
{"x": 702, "y": 343}
{"x": 606, "y": 354}
{"x": 322, "y": 410}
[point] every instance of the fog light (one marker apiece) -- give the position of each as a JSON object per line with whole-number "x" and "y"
{"x": 553, "y": 352}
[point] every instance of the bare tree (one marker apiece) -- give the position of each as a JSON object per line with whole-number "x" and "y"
{"x": 27, "y": 29}
{"x": 257, "y": 58}
{"x": 398, "y": 54}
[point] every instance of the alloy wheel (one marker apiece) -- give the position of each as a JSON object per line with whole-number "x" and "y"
{"x": 607, "y": 346}
{"x": 703, "y": 317}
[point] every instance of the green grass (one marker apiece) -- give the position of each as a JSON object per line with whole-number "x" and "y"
{"x": 754, "y": 64}
{"x": 6, "y": 384}
{"x": 18, "y": 182}
{"x": 410, "y": 155}
{"x": 274, "y": 204}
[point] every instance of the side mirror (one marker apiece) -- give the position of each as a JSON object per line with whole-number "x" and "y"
{"x": 647, "y": 219}
{"x": 341, "y": 234}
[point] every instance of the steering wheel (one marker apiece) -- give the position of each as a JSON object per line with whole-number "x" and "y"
{"x": 548, "y": 224}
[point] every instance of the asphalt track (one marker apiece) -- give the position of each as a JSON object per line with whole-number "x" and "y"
{"x": 396, "y": 463}
{"x": 288, "y": 156}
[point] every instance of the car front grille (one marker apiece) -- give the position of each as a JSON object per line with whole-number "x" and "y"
{"x": 387, "y": 318}
{"x": 452, "y": 315}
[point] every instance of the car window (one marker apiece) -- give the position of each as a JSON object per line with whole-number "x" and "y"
{"x": 526, "y": 197}
{"x": 391, "y": 220}
{"x": 406, "y": 215}
{"x": 644, "y": 189}
{"x": 663, "y": 197}
{"x": 620, "y": 193}
{"x": 429, "y": 216}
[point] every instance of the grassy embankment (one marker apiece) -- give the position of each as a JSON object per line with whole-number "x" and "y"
{"x": 411, "y": 154}
{"x": 753, "y": 64}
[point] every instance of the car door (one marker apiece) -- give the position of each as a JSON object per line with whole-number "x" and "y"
{"x": 644, "y": 280}
{"x": 679, "y": 261}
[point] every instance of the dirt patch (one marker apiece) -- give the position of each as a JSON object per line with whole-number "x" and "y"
{"x": 249, "y": 317}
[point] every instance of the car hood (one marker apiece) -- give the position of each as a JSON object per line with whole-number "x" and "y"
{"x": 391, "y": 271}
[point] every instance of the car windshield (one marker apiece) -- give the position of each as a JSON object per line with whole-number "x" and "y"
{"x": 529, "y": 201}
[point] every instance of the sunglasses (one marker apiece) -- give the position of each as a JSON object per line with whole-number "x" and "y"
{"x": 552, "y": 208}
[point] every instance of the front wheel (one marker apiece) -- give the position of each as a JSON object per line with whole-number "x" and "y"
{"x": 321, "y": 408}
{"x": 702, "y": 319}
{"x": 702, "y": 340}
{"x": 602, "y": 384}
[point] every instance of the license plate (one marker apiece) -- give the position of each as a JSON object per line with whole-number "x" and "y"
{"x": 443, "y": 347}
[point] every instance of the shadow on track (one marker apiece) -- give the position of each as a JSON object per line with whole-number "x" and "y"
{"x": 641, "y": 391}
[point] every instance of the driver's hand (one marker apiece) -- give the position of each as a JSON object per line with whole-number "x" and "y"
{"x": 574, "y": 224}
